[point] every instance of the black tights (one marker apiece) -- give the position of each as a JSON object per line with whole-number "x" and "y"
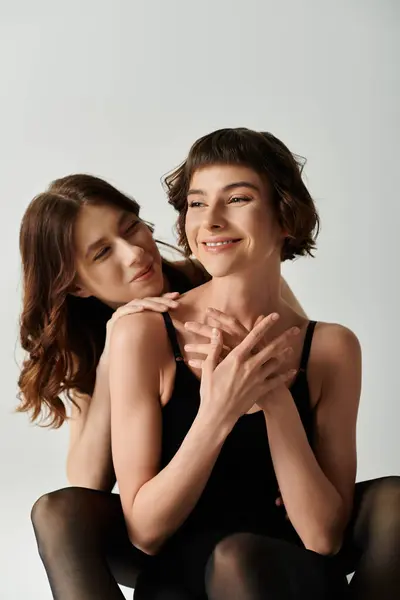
{"x": 85, "y": 549}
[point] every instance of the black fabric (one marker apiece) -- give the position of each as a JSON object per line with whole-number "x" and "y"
{"x": 239, "y": 498}
{"x": 244, "y": 470}
{"x": 84, "y": 546}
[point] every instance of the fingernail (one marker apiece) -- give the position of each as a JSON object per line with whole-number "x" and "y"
{"x": 215, "y": 332}
{"x": 274, "y": 317}
{"x": 295, "y": 331}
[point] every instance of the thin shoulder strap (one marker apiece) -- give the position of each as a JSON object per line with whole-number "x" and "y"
{"x": 307, "y": 345}
{"x": 172, "y": 336}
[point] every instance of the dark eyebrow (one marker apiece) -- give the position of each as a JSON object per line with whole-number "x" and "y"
{"x": 227, "y": 188}
{"x": 101, "y": 241}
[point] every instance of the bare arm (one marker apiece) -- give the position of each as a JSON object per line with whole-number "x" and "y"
{"x": 89, "y": 462}
{"x": 155, "y": 502}
{"x": 289, "y": 297}
{"x": 317, "y": 489}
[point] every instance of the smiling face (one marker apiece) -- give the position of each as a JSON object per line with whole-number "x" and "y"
{"x": 117, "y": 259}
{"x": 230, "y": 224}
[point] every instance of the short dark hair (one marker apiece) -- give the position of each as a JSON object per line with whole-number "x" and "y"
{"x": 270, "y": 158}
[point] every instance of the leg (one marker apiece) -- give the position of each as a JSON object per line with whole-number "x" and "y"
{"x": 84, "y": 545}
{"x": 372, "y": 543}
{"x": 245, "y": 566}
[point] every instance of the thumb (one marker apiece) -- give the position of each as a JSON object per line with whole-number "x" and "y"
{"x": 214, "y": 354}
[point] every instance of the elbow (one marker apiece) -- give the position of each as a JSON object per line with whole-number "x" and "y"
{"x": 146, "y": 544}
{"x": 145, "y": 536}
{"x": 326, "y": 545}
{"x": 327, "y": 539}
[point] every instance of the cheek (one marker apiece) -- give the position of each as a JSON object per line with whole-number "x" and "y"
{"x": 191, "y": 229}
{"x": 147, "y": 243}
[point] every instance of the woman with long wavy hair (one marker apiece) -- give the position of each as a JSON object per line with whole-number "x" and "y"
{"x": 77, "y": 240}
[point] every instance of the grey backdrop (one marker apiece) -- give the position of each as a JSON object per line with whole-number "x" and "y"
{"x": 121, "y": 89}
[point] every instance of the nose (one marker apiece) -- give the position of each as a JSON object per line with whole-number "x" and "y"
{"x": 128, "y": 253}
{"x": 213, "y": 218}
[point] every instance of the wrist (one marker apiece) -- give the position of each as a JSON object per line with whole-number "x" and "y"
{"x": 276, "y": 402}
{"x": 215, "y": 427}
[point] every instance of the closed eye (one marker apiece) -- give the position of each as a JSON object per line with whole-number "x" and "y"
{"x": 131, "y": 227}
{"x": 102, "y": 253}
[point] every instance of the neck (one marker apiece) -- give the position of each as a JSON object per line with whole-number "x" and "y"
{"x": 246, "y": 295}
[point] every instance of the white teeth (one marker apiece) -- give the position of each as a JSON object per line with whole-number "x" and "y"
{"x": 212, "y": 244}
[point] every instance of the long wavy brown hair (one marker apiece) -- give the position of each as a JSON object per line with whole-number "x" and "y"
{"x": 63, "y": 334}
{"x": 270, "y": 158}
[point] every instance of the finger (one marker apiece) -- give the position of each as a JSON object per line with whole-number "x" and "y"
{"x": 159, "y": 304}
{"x": 196, "y": 363}
{"x": 199, "y": 328}
{"x": 162, "y": 300}
{"x": 198, "y": 348}
{"x": 271, "y": 383}
{"x": 171, "y": 295}
{"x": 205, "y": 331}
{"x": 229, "y": 324}
{"x": 274, "y": 349}
{"x": 214, "y": 353}
{"x": 274, "y": 364}
{"x": 156, "y": 300}
{"x": 243, "y": 350}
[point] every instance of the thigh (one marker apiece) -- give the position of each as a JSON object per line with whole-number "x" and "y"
{"x": 273, "y": 567}
{"x": 124, "y": 559}
{"x": 356, "y": 534}
{"x": 180, "y": 566}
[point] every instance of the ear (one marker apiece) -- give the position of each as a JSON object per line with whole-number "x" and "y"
{"x": 80, "y": 292}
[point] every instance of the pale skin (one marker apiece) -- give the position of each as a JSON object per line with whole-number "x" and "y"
{"x": 111, "y": 246}
{"x": 316, "y": 487}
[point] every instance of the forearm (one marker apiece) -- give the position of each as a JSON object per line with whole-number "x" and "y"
{"x": 89, "y": 462}
{"x": 163, "y": 504}
{"x": 312, "y": 503}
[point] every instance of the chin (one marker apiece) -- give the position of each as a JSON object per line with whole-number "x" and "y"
{"x": 219, "y": 266}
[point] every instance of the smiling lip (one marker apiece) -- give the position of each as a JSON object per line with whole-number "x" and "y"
{"x": 144, "y": 274}
{"x": 219, "y": 244}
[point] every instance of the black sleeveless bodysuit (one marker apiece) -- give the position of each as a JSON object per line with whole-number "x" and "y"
{"x": 241, "y": 491}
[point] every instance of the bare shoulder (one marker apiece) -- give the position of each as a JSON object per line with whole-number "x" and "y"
{"x": 335, "y": 360}
{"x": 335, "y": 366}
{"x": 143, "y": 332}
{"x": 335, "y": 343}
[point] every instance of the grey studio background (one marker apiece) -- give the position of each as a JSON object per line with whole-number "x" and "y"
{"x": 121, "y": 89}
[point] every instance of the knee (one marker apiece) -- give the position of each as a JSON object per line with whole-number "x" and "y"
{"x": 385, "y": 498}
{"x": 234, "y": 551}
{"x": 51, "y": 515}
{"x": 52, "y": 506}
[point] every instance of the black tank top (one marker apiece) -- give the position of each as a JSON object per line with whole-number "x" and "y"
{"x": 241, "y": 491}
